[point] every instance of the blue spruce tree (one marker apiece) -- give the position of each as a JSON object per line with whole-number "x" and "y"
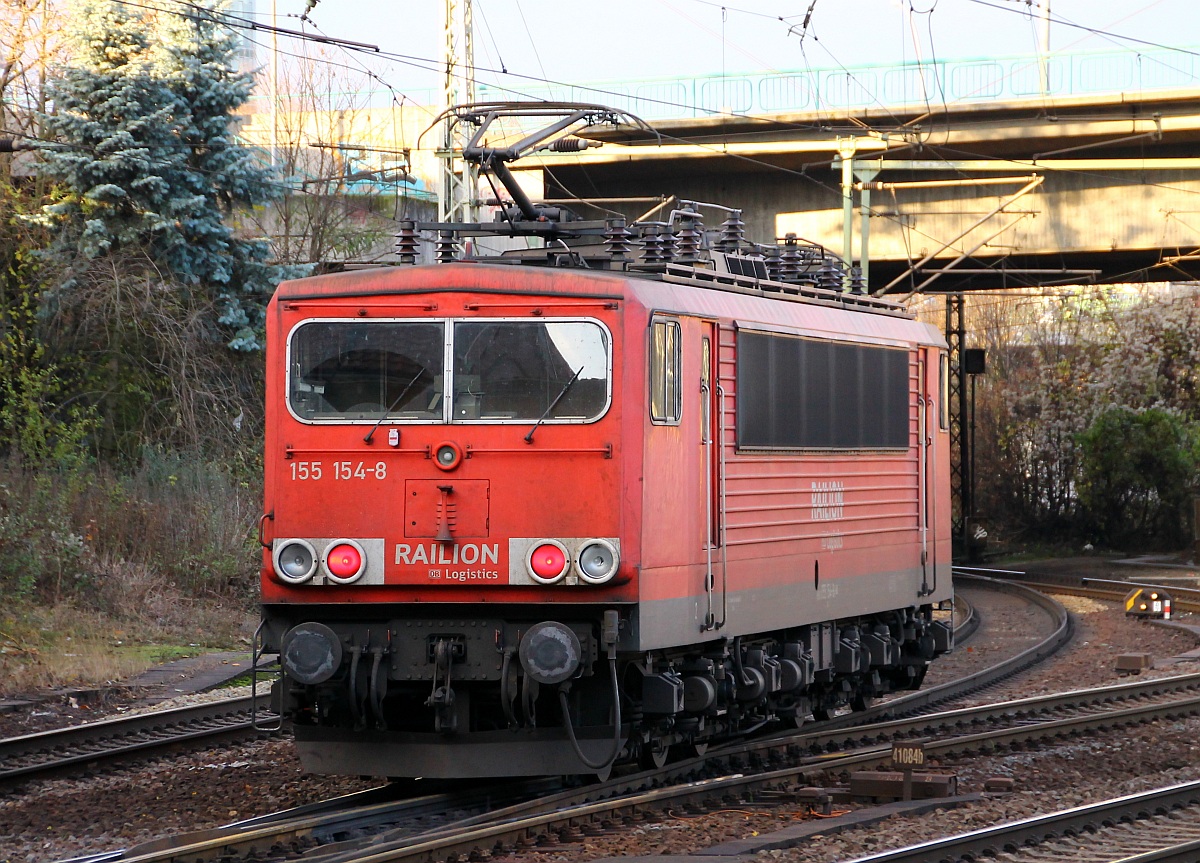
{"x": 144, "y": 148}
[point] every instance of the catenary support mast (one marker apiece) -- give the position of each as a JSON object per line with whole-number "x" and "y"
{"x": 457, "y": 189}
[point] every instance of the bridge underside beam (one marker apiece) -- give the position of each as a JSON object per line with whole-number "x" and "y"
{"x": 1118, "y": 201}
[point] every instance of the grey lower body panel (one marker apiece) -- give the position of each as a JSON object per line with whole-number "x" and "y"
{"x": 668, "y": 623}
{"x": 527, "y": 752}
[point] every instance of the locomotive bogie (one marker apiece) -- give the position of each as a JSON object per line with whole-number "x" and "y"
{"x": 379, "y": 698}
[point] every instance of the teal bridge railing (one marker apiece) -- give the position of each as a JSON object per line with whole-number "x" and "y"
{"x": 930, "y": 84}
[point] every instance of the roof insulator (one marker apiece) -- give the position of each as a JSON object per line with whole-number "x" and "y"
{"x": 830, "y": 275}
{"x": 789, "y": 264}
{"x": 447, "y": 247}
{"x": 733, "y": 233}
{"x": 691, "y": 224}
{"x": 771, "y": 256}
{"x": 658, "y": 246}
{"x": 617, "y": 240}
{"x": 857, "y": 286}
{"x": 407, "y": 241}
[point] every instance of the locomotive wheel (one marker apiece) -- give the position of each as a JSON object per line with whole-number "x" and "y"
{"x": 653, "y": 756}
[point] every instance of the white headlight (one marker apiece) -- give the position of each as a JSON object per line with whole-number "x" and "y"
{"x": 597, "y": 561}
{"x": 295, "y": 560}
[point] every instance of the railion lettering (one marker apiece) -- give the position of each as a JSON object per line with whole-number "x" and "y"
{"x": 444, "y": 554}
{"x": 828, "y": 498}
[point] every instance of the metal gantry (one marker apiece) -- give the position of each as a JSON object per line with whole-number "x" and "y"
{"x": 457, "y": 189}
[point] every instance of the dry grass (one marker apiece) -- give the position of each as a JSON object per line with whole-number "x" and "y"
{"x": 31, "y": 661}
{"x": 64, "y": 646}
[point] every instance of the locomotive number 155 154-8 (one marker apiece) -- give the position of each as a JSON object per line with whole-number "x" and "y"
{"x": 338, "y": 470}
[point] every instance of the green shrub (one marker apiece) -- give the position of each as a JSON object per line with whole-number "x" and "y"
{"x": 74, "y": 535}
{"x": 1138, "y": 474}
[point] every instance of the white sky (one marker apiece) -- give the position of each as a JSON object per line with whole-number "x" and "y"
{"x": 604, "y": 40}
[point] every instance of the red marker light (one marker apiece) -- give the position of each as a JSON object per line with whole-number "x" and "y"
{"x": 548, "y": 561}
{"x": 344, "y": 561}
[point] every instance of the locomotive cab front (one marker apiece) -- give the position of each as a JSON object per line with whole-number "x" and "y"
{"x": 445, "y": 522}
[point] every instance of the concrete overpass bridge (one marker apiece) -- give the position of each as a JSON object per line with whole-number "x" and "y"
{"x": 939, "y": 177}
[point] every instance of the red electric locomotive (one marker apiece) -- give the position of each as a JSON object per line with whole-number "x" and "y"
{"x": 595, "y": 501}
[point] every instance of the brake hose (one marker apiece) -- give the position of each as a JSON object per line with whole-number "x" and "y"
{"x": 616, "y": 742}
{"x": 506, "y": 698}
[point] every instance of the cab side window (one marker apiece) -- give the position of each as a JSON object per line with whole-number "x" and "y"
{"x": 666, "y": 397}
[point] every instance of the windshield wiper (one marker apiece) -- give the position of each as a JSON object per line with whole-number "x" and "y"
{"x": 403, "y": 393}
{"x": 553, "y": 404}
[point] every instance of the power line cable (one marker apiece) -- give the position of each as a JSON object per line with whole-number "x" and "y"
{"x": 406, "y": 58}
{"x": 1094, "y": 31}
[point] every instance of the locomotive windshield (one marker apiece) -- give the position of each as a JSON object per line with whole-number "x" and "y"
{"x": 499, "y": 370}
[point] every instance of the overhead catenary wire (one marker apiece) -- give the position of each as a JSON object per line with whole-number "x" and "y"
{"x": 350, "y": 47}
{"x": 425, "y": 63}
{"x": 434, "y": 65}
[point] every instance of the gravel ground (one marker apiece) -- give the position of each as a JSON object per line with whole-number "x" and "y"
{"x": 53, "y": 710}
{"x": 58, "y": 819}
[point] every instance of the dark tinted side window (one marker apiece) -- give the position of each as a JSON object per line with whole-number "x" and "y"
{"x": 799, "y": 393}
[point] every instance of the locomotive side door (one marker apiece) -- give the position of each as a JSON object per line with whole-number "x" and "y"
{"x": 924, "y": 462}
{"x": 932, "y": 409}
{"x": 712, "y": 447}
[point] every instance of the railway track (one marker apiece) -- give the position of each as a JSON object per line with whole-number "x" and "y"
{"x": 66, "y": 750}
{"x": 1162, "y": 826}
{"x": 512, "y": 815}
{"x": 730, "y": 776}
{"x": 1185, "y": 599}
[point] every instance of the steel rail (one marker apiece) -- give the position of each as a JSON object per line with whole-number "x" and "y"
{"x": 227, "y": 840}
{"x": 51, "y": 752}
{"x": 1184, "y": 852}
{"x": 1181, "y": 601}
{"x": 1184, "y": 598}
{"x": 243, "y": 836}
{"x": 265, "y": 833}
{"x": 969, "y": 624}
{"x": 58, "y": 751}
{"x": 1008, "y": 838}
{"x": 332, "y": 821}
{"x": 1023, "y": 710}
